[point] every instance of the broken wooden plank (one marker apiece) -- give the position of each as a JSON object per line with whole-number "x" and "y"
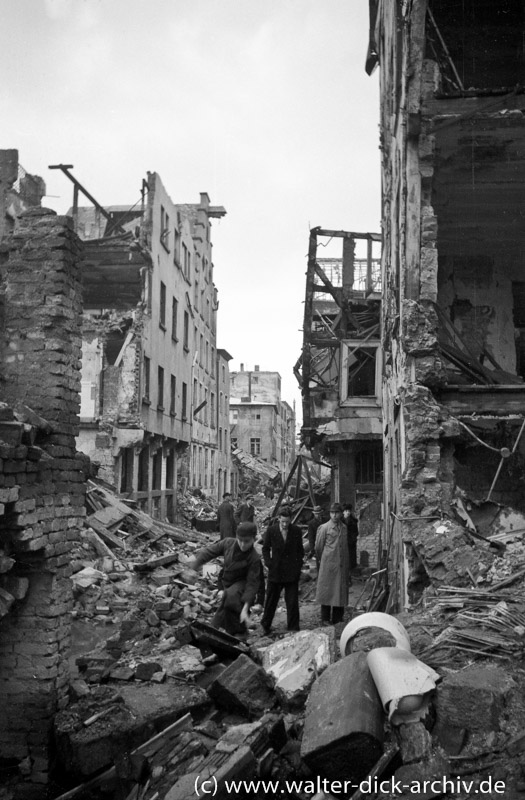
{"x": 107, "y": 536}
{"x": 153, "y": 563}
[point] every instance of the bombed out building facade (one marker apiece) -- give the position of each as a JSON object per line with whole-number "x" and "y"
{"x": 339, "y": 372}
{"x": 155, "y": 388}
{"x": 453, "y": 280}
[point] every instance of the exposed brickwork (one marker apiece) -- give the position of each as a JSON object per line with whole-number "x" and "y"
{"x": 42, "y": 483}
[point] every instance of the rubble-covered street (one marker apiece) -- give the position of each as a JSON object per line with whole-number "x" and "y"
{"x": 158, "y": 696}
{"x": 262, "y": 464}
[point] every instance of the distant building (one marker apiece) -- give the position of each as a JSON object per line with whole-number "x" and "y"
{"x": 151, "y": 374}
{"x": 262, "y": 424}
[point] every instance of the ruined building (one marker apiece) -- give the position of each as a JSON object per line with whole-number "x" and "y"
{"x": 339, "y": 370}
{"x": 262, "y": 424}
{"x": 155, "y": 389}
{"x": 453, "y": 310}
{"x": 42, "y": 478}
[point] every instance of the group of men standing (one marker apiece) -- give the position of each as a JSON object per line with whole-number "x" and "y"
{"x": 333, "y": 543}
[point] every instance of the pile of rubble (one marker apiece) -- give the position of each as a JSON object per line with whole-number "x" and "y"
{"x": 165, "y": 700}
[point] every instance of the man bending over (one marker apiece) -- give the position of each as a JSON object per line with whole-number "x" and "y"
{"x": 239, "y": 580}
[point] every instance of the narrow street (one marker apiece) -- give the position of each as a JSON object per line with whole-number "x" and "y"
{"x": 262, "y": 400}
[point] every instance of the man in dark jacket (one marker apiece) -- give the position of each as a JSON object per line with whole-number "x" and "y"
{"x": 240, "y": 577}
{"x": 352, "y": 533}
{"x": 245, "y": 512}
{"x": 313, "y": 526}
{"x": 225, "y": 517}
{"x": 283, "y": 553}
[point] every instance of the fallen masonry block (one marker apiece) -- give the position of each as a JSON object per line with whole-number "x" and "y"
{"x": 184, "y": 662}
{"x": 144, "y": 710}
{"x": 343, "y": 728}
{"x": 296, "y": 661}
{"x": 78, "y": 689}
{"x": 6, "y": 601}
{"x": 243, "y": 686}
{"x": 474, "y": 698}
{"x": 16, "y": 586}
{"x": 145, "y": 670}
{"x": 164, "y": 605}
{"x": 172, "y": 615}
{"x": 122, "y": 674}
{"x": 88, "y": 577}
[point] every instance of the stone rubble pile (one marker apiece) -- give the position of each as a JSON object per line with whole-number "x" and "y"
{"x": 166, "y": 700}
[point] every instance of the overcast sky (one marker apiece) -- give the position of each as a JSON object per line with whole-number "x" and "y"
{"x": 264, "y": 104}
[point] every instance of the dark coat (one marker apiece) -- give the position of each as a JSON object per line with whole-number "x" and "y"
{"x": 238, "y": 566}
{"x": 284, "y": 560}
{"x": 313, "y": 527}
{"x": 245, "y": 513}
{"x": 225, "y": 519}
{"x": 352, "y": 528}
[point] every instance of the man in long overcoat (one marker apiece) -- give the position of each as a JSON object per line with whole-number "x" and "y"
{"x": 225, "y": 517}
{"x": 333, "y": 580}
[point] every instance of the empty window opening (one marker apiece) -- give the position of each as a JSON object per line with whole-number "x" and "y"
{"x": 478, "y": 44}
{"x": 160, "y": 392}
{"x": 362, "y": 372}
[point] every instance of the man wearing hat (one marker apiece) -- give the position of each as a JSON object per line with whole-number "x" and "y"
{"x": 246, "y": 511}
{"x": 313, "y": 527}
{"x": 225, "y": 517}
{"x": 282, "y": 553}
{"x": 331, "y": 548}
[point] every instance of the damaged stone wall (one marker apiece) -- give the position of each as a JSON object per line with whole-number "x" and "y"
{"x": 451, "y": 165}
{"x": 42, "y": 484}
{"x": 110, "y": 400}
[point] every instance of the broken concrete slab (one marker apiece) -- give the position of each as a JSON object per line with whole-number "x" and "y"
{"x": 474, "y": 698}
{"x": 343, "y": 728}
{"x": 88, "y": 577}
{"x": 185, "y": 662}
{"x": 243, "y": 686}
{"x": 296, "y": 661}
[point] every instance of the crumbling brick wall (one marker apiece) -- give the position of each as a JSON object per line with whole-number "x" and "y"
{"x": 42, "y": 484}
